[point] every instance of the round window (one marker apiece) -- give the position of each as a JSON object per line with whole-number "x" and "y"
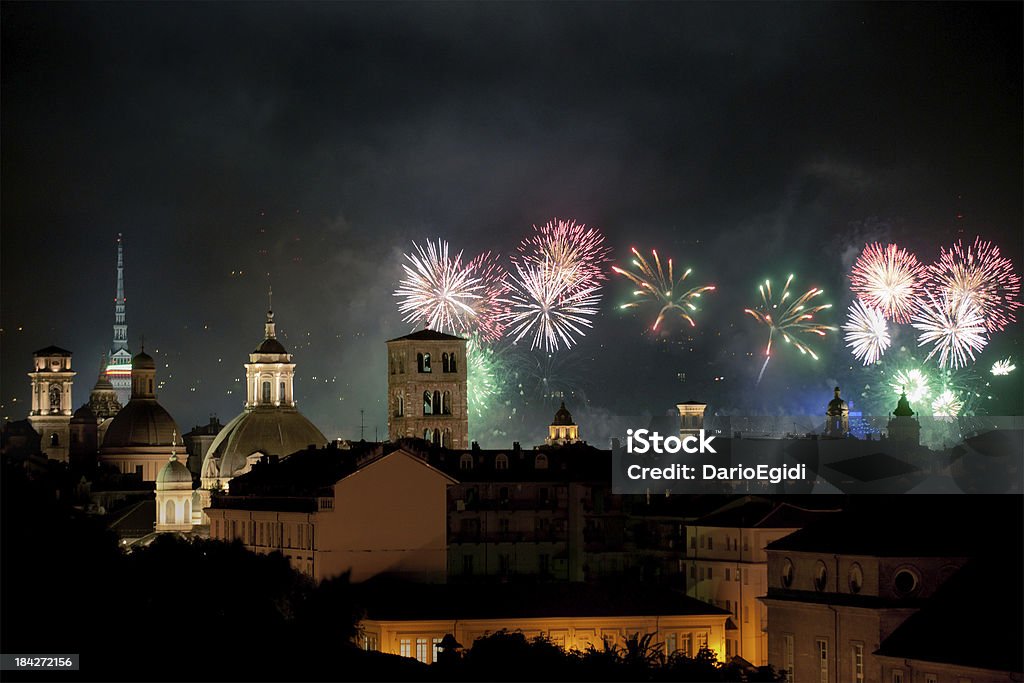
{"x": 820, "y": 576}
{"x": 856, "y": 578}
{"x": 905, "y": 582}
{"x": 787, "y": 573}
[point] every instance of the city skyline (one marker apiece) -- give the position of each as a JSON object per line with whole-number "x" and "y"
{"x": 322, "y": 161}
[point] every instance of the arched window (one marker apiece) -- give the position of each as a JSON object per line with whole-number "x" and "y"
{"x": 280, "y": 392}
{"x": 426, "y": 435}
{"x": 54, "y": 439}
{"x": 399, "y": 405}
{"x": 266, "y": 392}
{"x": 423, "y": 362}
{"x": 188, "y": 512}
{"x": 444, "y": 362}
{"x": 391, "y": 364}
{"x": 169, "y": 513}
{"x": 401, "y": 364}
{"x": 446, "y": 438}
{"x": 54, "y": 397}
{"x": 466, "y": 461}
{"x": 501, "y": 462}
{"x": 436, "y": 440}
{"x": 437, "y": 402}
{"x": 540, "y": 462}
{"x": 428, "y": 406}
{"x": 451, "y": 364}
{"x": 150, "y": 387}
{"x": 446, "y": 403}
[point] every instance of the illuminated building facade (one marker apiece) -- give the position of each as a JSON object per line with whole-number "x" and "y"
{"x": 411, "y": 621}
{"x": 372, "y": 512}
{"x": 119, "y": 367}
{"x": 691, "y": 417}
{"x": 562, "y": 429}
{"x": 174, "y": 497}
{"x": 427, "y": 389}
{"x": 51, "y": 411}
{"x": 726, "y": 565}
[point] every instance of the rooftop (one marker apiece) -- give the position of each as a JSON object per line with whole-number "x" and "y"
{"x": 427, "y": 335}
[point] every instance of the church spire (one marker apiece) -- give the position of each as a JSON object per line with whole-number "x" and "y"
{"x": 120, "y": 326}
{"x": 270, "y": 331}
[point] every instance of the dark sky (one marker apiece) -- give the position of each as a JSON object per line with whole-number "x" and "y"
{"x": 314, "y": 142}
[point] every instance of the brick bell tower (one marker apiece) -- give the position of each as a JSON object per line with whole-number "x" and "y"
{"x": 427, "y": 389}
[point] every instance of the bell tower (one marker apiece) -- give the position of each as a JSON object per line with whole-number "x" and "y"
{"x": 427, "y": 389}
{"x": 51, "y": 400}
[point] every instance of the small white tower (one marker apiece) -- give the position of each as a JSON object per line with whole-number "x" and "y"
{"x": 51, "y": 400}
{"x": 174, "y": 496}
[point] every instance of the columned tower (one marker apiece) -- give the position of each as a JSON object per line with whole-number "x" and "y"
{"x": 51, "y": 400}
{"x": 427, "y": 389}
{"x": 119, "y": 370}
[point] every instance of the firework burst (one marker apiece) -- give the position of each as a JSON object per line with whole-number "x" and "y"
{"x": 576, "y": 252}
{"x": 791, "y": 319}
{"x": 438, "y": 291}
{"x": 1004, "y": 367}
{"x": 664, "y": 290}
{"x": 955, "y": 327}
{"x": 867, "y": 334}
{"x": 946, "y": 405}
{"x": 981, "y": 275}
{"x": 490, "y": 309}
{"x": 548, "y": 306}
{"x": 913, "y": 382}
{"x": 888, "y": 279}
{"x": 484, "y": 373}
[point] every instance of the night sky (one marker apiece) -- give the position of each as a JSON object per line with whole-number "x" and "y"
{"x": 307, "y": 145}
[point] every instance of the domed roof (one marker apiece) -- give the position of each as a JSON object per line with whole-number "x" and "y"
{"x": 143, "y": 422}
{"x": 84, "y": 414}
{"x": 143, "y": 361}
{"x": 174, "y": 473}
{"x": 103, "y": 383}
{"x": 270, "y": 345}
{"x": 562, "y": 417}
{"x": 271, "y": 431}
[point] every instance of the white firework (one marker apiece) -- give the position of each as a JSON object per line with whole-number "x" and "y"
{"x": 548, "y": 306}
{"x": 955, "y": 327}
{"x": 867, "y": 333}
{"x": 438, "y": 291}
{"x": 946, "y": 405}
{"x": 1003, "y": 367}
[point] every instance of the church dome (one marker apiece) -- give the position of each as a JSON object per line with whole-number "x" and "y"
{"x": 143, "y": 422}
{"x": 84, "y": 414}
{"x": 143, "y": 361}
{"x": 563, "y": 417}
{"x": 270, "y": 345}
{"x": 103, "y": 383}
{"x": 174, "y": 473}
{"x": 273, "y": 431}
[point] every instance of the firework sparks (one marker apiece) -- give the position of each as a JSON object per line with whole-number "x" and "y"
{"x": 438, "y": 291}
{"x": 791, "y": 320}
{"x": 482, "y": 370}
{"x": 1004, "y": 367}
{"x": 956, "y": 327}
{"x": 577, "y": 252}
{"x": 490, "y": 308}
{"x": 548, "y": 306}
{"x": 914, "y": 383}
{"x": 981, "y": 275}
{"x": 946, "y": 405}
{"x": 666, "y": 291}
{"x": 867, "y": 334}
{"x": 888, "y": 279}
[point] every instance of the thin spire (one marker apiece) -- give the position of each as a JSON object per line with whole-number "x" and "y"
{"x": 120, "y": 325}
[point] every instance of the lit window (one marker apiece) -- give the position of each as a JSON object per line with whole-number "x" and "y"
{"x": 856, "y": 578}
{"x": 405, "y": 647}
{"x": 822, "y": 646}
{"x": 437, "y": 644}
{"x": 820, "y": 576}
{"x": 897, "y": 676}
{"x": 789, "y": 654}
{"x": 422, "y": 654}
{"x": 858, "y": 663}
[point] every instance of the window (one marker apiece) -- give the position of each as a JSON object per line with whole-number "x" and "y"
{"x": 54, "y": 397}
{"x": 702, "y": 541}
{"x": 266, "y": 393}
{"x": 746, "y": 614}
{"x": 280, "y": 393}
{"x": 856, "y": 578}
{"x": 423, "y": 362}
{"x": 405, "y": 647}
{"x": 540, "y": 462}
{"x": 446, "y": 438}
{"x": 686, "y": 644}
{"x": 858, "y": 662}
{"x": 711, "y": 572}
{"x": 399, "y": 405}
{"x": 897, "y": 676}
{"x": 436, "y": 437}
{"x": 422, "y": 655}
{"x": 437, "y": 402}
{"x": 738, "y": 572}
{"x": 693, "y": 541}
{"x": 789, "y": 655}
{"x": 501, "y": 462}
{"x": 670, "y": 643}
{"x": 931, "y": 678}
{"x": 822, "y": 646}
{"x": 452, "y": 365}
{"x": 446, "y": 403}
{"x": 428, "y": 403}
{"x": 169, "y": 513}
{"x": 728, "y": 574}
{"x": 54, "y": 439}
{"x": 711, "y": 542}
{"x": 820, "y": 576}
{"x": 905, "y": 582}
{"x": 436, "y": 642}
{"x": 445, "y": 367}
{"x": 465, "y": 461}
